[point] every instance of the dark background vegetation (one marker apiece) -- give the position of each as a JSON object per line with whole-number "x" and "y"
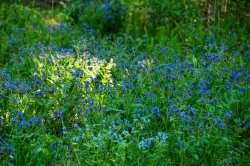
{"x": 156, "y": 21}
{"x": 112, "y": 59}
{"x": 137, "y": 17}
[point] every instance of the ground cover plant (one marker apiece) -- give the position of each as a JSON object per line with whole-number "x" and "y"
{"x": 75, "y": 90}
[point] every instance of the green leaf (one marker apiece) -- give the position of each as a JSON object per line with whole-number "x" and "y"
{"x": 136, "y": 105}
{"x": 194, "y": 60}
{"x": 113, "y": 109}
{"x": 22, "y": 136}
{"x": 225, "y": 139}
{"x": 196, "y": 156}
{"x": 38, "y": 150}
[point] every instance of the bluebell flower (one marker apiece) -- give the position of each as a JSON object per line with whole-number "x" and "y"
{"x": 174, "y": 95}
{"x": 192, "y": 112}
{"x": 167, "y": 86}
{"x": 53, "y": 146}
{"x": 22, "y": 88}
{"x": 150, "y": 96}
{"x": 141, "y": 145}
{"x": 155, "y": 110}
{"x": 39, "y": 92}
{"x": 57, "y": 114}
{"x": 190, "y": 128}
{"x": 247, "y": 78}
{"x": 119, "y": 139}
{"x": 62, "y": 24}
{"x": 64, "y": 130}
{"x": 241, "y": 90}
{"x": 172, "y": 110}
{"x": 123, "y": 88}
{"x": 219, "y": 123}
{"x": 149, "y": 142}
{"x": 170, "y": 101}
{"x": 60, "y": 74}
{"x": 112, "y": 135}
{"x": 24, "y": 123}
{"x": 34, "y": 120}
{"x": 235, "y": 75}
{"x": 138, "y": 100}
{"x": 161, "y": 136}
{"x": 126, "y": 132}
{"x": 185, "y": 118}
{"x": 181, "y": 144}
{"x": 145, "y": 119}
{"x": 77, "y": 73}
{"x": 54, "y": 88}
{"x": 144, "y": 111}
{"x": 228, "y": 84}
{"x": 2, "y": 148}
{"x": 20, "y": 115}
{"x": 228, "y": 114}
{"x": 248, "y": 124}
{"x": 216, "y": 100}
{"x": 14, "y": 120}
{"x": 75, "y": 139}
{"x": 87, "y": 127}
{"x": 127, "y": 123}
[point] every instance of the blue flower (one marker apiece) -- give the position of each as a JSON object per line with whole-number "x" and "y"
{"x": 141, "y": 145}
{"x": 248, "y": 124}
{"x": 228, "y": 114}
{"x": 57, "y": 114}
{"x": 172, "y": 110}
{"x": 77, "y": 73}
{"x": 24, "y": 123}
{"x": 190, "y": 128}
{"x": 200, "y": 125}
{"x": 34, "y": 120}
{"x": 149, "y": 142}
{"x": 206, "y": 116}
{"x": 75, "y": 139}
{"x": 125, "y": 132}
{"x": 20, "y": 115}
{"x": 156, "y": 110}
{"x": 161, "y": 136}
{"x": 14, "y": 120}
{"x": 192, "y": 112}
{"x": 185, "y": 118}
{"x": 91, "y": 31}
{"x": 181, "y": 144}
{"x": 87, "y": 84}
{"x": 167, "y": 86}
{"x": 144, "y": 111}
{"x": 247, "y": 78}
{"x": 119, "y": 139}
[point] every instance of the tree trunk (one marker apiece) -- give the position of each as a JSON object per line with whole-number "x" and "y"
{"x": 223, "y": 10}
{"x": 224, "y": 6}
{"x": 208, "y": 11}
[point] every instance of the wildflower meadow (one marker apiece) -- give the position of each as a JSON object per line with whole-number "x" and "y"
{"x": 124, "y": 82}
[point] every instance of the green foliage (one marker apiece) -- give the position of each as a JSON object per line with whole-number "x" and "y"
{"x": 173, "y": 90}
{"x": 106, "y": 17}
